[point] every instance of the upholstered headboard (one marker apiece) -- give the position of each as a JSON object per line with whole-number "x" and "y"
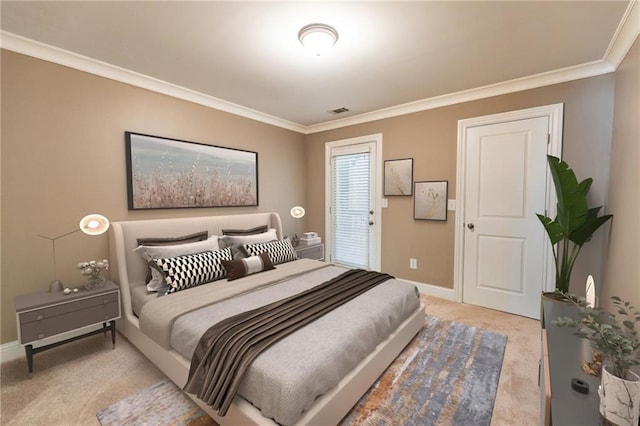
{"x": 128, "y": 268}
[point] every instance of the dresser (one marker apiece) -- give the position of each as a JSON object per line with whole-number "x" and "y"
{"x": 42, "y": 315}
{"x": 562, "y": 356}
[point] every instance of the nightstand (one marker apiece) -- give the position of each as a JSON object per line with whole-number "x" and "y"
{"x": 310, "y": 252}
{"x": 44, "y": 314}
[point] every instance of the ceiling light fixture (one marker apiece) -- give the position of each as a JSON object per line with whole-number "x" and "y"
{"x": 318, "y": 38}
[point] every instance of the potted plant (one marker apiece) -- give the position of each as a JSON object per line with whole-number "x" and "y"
{"x": 575, "y": 222}
{"x": 616, "y": 339}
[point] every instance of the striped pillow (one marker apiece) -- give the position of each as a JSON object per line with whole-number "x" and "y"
{"x": 249, "y": 265}
{"x": 280, "y": 251}
{"x": 191, "y": 270}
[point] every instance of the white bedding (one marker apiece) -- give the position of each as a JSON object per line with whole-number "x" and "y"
{"x": 285, "y": 380}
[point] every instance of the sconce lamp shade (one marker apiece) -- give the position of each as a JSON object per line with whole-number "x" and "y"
{"x": 318, "y": 38}
{"x": 94, "y": 224}
{"x": 297, "y": 212}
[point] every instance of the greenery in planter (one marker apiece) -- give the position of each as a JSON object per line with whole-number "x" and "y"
{"x": 575, "y": 222}
{"x": 614, "y": 337}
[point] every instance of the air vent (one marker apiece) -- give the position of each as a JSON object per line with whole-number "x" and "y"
{"x": 339, "y": 110}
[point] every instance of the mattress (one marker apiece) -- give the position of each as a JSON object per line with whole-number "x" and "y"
{"x": 285, "y": 380}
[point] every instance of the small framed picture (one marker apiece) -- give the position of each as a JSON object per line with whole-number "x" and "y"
{"x": 430, "y": 200}
{"x": 398, "y": 177}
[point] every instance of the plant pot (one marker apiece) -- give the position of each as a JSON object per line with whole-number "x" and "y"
{"x": 550, "y": 296}
{"x": 619, "y": 398}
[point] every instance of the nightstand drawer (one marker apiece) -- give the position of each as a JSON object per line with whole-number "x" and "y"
{"x": 43, "y": 313}
{"x": 46, "y": 322}
{"x": 311, "y": 252}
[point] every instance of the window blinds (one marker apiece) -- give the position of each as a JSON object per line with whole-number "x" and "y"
{"x": 350, "y": 207}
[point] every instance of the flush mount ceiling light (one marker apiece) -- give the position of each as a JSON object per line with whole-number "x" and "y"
{"x": 318, "y": 38}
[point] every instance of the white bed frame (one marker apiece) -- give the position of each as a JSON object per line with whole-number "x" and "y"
{"x": 128, "y": 267}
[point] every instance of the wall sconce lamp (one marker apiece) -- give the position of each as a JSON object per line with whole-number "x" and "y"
{"x": 318, "y": 38}
{"x": 92, "y": 224}
{"x": 297, "y": 213}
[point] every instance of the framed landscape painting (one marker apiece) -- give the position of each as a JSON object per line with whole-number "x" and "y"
{"x": 164, "y": 173}
{"x": 398, "y": 177}
{"x": 430, "y": 200}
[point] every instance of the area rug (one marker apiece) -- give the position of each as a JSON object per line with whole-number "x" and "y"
{"x": 447, "y": 375}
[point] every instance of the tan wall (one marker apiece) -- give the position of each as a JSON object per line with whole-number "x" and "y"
{"x": 430, "y": 138}
{"x": 622, "y": 273}
{"x": 63, "y": 157}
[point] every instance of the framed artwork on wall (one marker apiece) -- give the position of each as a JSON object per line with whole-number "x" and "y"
{"x": 398, "y": 177}
{"x": 165, "y": 173}
{"x": 430, "y": 200}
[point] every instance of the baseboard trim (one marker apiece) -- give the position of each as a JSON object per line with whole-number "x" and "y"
{"x": 434, "y": 290}
{"x": 10, "y": 351}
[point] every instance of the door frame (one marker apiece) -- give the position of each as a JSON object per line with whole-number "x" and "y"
{"x": 376, "y": 190}
{"x": 554, "y": 113}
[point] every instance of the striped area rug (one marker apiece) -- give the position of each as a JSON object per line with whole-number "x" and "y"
{"x": 447, "y": 375}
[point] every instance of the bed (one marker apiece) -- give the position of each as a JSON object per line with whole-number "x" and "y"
{"x": 169, "y": 346}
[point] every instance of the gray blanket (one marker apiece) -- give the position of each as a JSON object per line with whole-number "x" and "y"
{"x": 286, "y": 379}
{"x": 228, "y": 348}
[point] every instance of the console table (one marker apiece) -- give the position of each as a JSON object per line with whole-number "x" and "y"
{"x": 44, "y": 314}
{"x": 562, "y": 356}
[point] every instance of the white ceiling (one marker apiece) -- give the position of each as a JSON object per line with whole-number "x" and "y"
{"x": 389, "y": 54}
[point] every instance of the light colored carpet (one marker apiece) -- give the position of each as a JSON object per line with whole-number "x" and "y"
{"x": 71, "y": 383}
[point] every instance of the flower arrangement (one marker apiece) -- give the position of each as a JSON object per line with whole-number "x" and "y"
{"x": 93, "y": 271}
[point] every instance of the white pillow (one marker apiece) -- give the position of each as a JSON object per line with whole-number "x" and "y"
{"x": 159, "y": 252}
{"x": 236, "y": 241}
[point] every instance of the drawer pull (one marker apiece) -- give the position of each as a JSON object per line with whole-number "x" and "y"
{"x": 39, "y": 317}
{"x": 104, "y": 302}
{"x": 41, "y": 336}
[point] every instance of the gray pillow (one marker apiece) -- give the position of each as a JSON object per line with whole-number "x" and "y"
{"x": 167, "y": 241}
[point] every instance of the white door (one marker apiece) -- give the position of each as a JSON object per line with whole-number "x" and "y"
{"x": 352, "y": 228}
{"x": 505, "y": 186}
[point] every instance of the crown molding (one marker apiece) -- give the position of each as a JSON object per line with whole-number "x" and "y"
{"x": 590, "y": 69}
{"x": 626, "y": 34}
{"x": 59, "y": 56}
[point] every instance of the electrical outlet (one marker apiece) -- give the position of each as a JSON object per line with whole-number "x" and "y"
{"x": 413, "y": 263}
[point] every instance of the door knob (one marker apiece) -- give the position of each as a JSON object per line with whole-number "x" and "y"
{"x": 471, "y": 226}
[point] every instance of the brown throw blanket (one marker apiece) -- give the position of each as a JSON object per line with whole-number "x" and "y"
{"x": 227, "y": 349}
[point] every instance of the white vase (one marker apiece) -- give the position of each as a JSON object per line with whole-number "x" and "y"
{"x": 619, "y": 398}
